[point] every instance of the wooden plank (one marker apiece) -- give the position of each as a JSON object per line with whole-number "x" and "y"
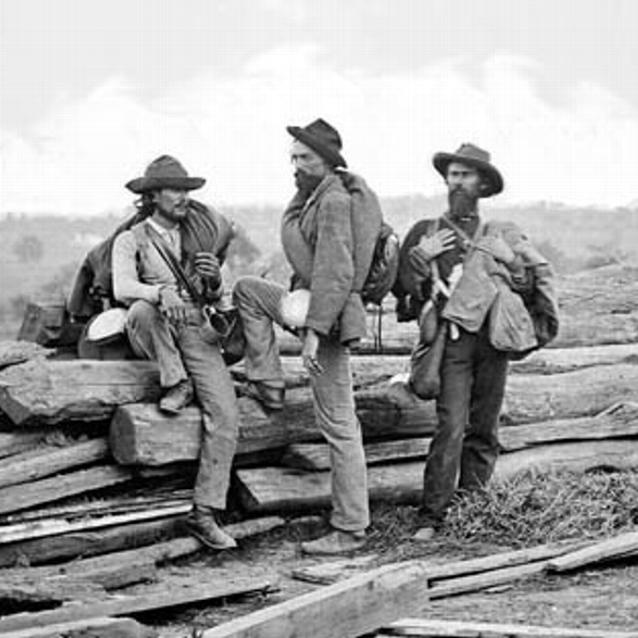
{"x": 50, "y": 460}
{"x": 579, "y": 456}
{"x": 17, "y": 442}
{"x": 20, "y": 497}
{"x": 38, "y": 529}
{"x": 122, "y": 605}
{"x": 616, "y": 547}
{"x": 502, "y": 560}
{"x": 620, "y": 420}
{"x": 89, "y": 542}
{"x": 354, "y": 607}
{"x": 316, "y": 456}
{"x": 30, "y": 588}
{"x": 48, "y": 392}
{"x": 432, "y": 628}
{"x": 89, "y": 628}
{"x": 273, "y": 489}
{"x": 483, "y": 580}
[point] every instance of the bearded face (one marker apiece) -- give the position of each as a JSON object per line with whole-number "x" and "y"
{"x": 464, "y": 184}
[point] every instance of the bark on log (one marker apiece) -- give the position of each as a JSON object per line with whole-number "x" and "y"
{"x": 141, "y": 435}
{"x": 15, "y": 352}
{"x": 277, "y": 489}
{"x": 48, "y": 392}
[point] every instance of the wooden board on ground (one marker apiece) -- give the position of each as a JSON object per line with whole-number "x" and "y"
{"x": 141, "y": 435}
{"x": 272, "y": 489}
{"x": 114, "y": 570}
{"x": 158, "y": 598}
{"x": 89, "y": 628}
{"x": 432, "y": 628}
{"x": 354, "y": 607}
{"x": 49, "y": 460}
{"x": 609, "y": 549}
{"x": 54, "y": 391}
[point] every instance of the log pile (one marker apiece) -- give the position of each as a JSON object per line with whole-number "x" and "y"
{"x": 91, "y": 469}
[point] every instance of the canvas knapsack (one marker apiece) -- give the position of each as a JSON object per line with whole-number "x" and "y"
{"x": 384, "y": 267}
{"x": 376, "y": 254}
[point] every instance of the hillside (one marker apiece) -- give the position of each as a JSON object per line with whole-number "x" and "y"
{"x": 42, "y": 253}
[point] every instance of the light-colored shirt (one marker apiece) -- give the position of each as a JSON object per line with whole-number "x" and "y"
{"x": 139, "y": 271}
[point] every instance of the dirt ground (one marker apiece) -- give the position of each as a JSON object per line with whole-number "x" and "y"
{"x": 603, "y": 598}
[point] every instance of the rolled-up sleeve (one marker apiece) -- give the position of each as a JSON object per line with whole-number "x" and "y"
{"x": 127, "y": 287}
{"x": 333, "y": 266}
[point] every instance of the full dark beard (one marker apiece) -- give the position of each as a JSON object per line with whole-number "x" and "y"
{"x": 462, "y": 204}
{"x": 306, "y": 183}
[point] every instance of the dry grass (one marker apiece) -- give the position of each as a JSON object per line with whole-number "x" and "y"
{"x": 534, "y": 508}
{"x": 527, "y": 510}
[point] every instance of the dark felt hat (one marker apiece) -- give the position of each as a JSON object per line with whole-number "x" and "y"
{"x": 165, "y": 172}
{"x": 472, "y": 156}
{"x": 321, "y": 138}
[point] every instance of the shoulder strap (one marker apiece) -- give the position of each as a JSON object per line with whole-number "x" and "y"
{"x": 165, "y": 252}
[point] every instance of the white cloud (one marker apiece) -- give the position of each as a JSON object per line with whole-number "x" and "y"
{"x": 578, "y": 149}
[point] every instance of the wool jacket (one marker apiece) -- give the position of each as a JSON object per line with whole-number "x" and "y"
{"x": 330, "y": 251}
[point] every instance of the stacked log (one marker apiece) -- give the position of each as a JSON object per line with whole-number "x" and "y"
{"x": 90, "y": 466}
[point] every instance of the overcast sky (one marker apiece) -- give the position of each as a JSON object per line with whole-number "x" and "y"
{"x": 91, "y": 91}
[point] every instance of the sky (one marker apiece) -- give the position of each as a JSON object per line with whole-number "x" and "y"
{"x": 91, "y": 92}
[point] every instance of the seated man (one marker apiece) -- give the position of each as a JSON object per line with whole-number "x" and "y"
{"x": 165, "y": 325}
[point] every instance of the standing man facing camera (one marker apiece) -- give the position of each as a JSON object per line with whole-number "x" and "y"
{"x": 498, "y": 303}
{"x": 323, "y": 250}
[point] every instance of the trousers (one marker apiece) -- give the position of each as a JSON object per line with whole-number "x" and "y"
{"x": 183, "y": 352}
{"x": 333, "y": 401}
{"x": 465, "y": 445}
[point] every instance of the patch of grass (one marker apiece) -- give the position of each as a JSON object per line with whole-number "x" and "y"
{"x": 533, "y": 508}
{"x": 530, "y": 509}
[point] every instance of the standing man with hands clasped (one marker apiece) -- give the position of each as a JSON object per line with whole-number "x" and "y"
{"x": 320, "y": 244}
{"x": 164, "y": 323}
{"x": 498, "y": 303}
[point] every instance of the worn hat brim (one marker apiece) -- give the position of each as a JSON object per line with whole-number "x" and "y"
{"x": 442, "y": 160}
{"x": 333, "y": 157}
{"x": 141, "y": 185}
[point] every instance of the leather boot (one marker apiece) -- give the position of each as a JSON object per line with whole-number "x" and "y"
{"x": 177, "y": 397}
{"x": 270, "y": 396}
{"x": 202, "y": 524}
